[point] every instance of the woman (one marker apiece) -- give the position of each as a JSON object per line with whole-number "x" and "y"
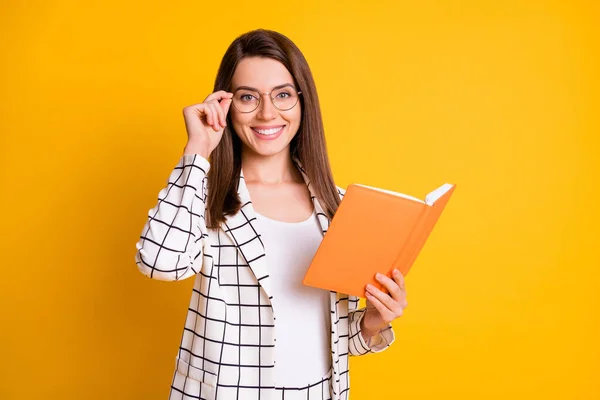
{"x": 247, "y": 230}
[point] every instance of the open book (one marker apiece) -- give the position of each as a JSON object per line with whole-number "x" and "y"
{"x": 374, "y": 230}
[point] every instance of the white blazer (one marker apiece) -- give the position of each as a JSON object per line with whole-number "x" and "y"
{"x": 227, "y": 348}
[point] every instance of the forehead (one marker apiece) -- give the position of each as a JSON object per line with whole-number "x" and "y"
{"x": 261, "y": 73}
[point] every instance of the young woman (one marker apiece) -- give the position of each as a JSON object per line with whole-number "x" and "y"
{"x": 246, "y": 226}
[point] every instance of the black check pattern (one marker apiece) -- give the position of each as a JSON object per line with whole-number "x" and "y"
{"x": 227, "y": 347}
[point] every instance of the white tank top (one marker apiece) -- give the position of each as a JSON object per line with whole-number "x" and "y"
{"x": 303, "y": 321}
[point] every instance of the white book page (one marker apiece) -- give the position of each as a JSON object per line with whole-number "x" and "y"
{"x": 430, "y": 199}
{"x": 434, "y": 196}
{"x": 393, "y": 193}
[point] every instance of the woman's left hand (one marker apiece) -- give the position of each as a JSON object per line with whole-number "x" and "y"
{"x": 383, "y": 308}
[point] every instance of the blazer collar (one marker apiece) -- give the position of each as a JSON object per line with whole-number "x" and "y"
{"x": 243, "y": 230}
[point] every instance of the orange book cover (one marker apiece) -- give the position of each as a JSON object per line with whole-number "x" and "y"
{"x": 374, "y": 230}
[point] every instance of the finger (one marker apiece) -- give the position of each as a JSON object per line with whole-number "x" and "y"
{"x": 218, "y": 95}
{"x": 398, "y": 278}
{"x": 215, "y": 117}
{"x": 392, "y": 287}
{"x": 214, "y": 108}
{"x": 386, "y": 315}
{"x": 200, "y": 111}
{"x": 208, "y": 114}
{"x": 216, "y": 123}
{"x": 225, "y": 104}
{"x": 219, "y": 111}
{"x": 383, "y": 298}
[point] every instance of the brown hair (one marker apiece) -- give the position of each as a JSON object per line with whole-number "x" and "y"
{"x": 308, "y": 146}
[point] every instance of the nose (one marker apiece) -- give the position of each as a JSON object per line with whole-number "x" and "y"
{"x": 266, "y": 109}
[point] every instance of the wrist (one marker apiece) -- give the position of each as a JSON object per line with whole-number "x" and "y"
{"x": 370, "y": 326}
{"x": 201, "y": 149}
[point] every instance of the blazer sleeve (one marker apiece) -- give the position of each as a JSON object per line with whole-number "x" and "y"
{"x": 171, "y": 245}
{"x": 356, "y": 344}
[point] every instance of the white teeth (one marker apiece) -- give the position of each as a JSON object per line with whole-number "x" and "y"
{"x": 268, "y": 132}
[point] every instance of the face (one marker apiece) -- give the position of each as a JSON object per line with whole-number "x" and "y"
{"x": 267, "y": 130}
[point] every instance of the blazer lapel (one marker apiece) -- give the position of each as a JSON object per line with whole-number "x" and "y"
{"x": 243, "y": 230}
{"x": 321, "y": 216}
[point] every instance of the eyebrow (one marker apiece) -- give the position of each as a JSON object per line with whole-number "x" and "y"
{"x": 256, "y": 90}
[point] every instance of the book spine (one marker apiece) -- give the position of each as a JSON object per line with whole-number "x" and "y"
{"x": 411, "y": 247}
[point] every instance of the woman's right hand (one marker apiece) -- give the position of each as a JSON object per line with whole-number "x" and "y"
{"x": 205, "y": 123}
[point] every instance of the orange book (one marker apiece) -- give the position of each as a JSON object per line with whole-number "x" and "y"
{"x": 374, "y": 230}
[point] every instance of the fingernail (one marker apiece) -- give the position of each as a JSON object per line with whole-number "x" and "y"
{"x": 396, "y": 272}
{"x": 370, "y": 287}
{"x": 379, "y": 276}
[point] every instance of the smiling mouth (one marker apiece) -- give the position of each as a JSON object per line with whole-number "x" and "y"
{"x": 270, "y": 131}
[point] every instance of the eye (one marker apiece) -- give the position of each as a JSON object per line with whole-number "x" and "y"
{"x": 247, "y": 97}
{"x": 282, "y": 95}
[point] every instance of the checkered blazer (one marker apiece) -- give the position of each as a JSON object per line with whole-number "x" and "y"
{"x": 227, "y": 347}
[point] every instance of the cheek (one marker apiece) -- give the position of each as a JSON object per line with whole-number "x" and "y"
{"x": 236, "y": 119}
{"x": 239, "y": 121}
{"x": 295, "y": 118}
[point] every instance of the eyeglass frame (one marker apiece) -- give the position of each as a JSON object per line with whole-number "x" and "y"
{"x": 267, "y": 93}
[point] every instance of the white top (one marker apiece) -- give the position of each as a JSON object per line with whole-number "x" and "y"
{"x": 302, "y": 313}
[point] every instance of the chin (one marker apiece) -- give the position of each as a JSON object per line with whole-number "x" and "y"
{"x": 269, "y": 150}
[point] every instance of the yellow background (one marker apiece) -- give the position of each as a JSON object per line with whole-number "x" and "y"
{"x": 500, "y": 98}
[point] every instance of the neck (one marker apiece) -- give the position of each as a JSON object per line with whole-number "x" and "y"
{"x": 270, "y": 170}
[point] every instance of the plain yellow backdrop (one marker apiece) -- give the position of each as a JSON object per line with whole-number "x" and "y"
{"x": 500, "y": 98}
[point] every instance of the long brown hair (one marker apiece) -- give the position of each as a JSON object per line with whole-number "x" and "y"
{"x": 308, "y": 146}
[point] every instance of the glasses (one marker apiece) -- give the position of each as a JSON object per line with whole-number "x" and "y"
{"x": 284, "y": 98}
